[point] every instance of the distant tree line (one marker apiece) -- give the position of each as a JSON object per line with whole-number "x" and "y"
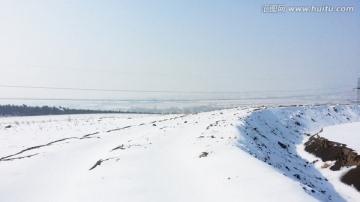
{"x": 24, "y": 110}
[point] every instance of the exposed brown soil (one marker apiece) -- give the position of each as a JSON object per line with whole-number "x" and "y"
{"x": 352, "y": 178}
{"x": 333, "y": 151}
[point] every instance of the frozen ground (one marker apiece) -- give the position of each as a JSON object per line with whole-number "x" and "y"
{"x": 183, "y": 157}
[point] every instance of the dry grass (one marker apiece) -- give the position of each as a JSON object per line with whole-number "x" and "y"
{"x": 326, "y": 165}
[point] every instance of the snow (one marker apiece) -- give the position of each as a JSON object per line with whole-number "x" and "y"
{"x": 347, "y": 192}
{"x": 157, "y": 157}
{"x": 276, "y": 136}
{"x": 29, "y": 131}
{"x": 346, "y": 134}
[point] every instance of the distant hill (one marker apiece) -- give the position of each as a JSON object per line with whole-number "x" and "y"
{"x": 24, "y": 110}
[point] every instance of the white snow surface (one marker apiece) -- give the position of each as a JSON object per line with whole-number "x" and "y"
{"x": 161, "y": 157}
{"x": 276, "y": 136}
{"x": 348, "y": 134}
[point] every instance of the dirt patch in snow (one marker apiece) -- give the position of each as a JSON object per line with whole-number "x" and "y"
{"x": 352, "y": 178}
{"x": 98, "y": 163}
{"x": 333, "y": 151}
{"x": 203, "y": 154}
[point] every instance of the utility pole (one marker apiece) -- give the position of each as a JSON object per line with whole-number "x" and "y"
{"x": 358, "y": 92}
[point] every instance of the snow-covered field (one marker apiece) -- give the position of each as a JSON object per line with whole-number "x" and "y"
{"x": 182, "y": 157}
{"x": 348, "y": 134}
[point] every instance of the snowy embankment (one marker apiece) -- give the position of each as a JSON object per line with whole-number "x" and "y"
{"x": 193, "y": 157}
{"x": 276, "y": 136}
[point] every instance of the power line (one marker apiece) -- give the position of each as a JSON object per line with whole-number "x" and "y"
{"x": 157, "y": 91}
{"x": 182, "y": 100}
{"x": 46, "y": 67}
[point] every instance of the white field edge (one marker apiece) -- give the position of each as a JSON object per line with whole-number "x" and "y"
{"x": 348, "y": 133}
{"x": 160, "y": 160}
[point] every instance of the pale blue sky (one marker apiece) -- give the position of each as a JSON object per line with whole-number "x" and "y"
{"x": 176, "y": 46}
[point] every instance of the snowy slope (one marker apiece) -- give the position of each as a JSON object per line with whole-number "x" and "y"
{"x": 192, "y": 157}
{"x": 276, "y": 136}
